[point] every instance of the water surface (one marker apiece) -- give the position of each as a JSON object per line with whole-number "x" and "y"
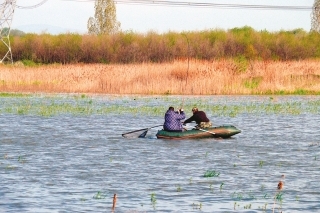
{"x": 74, "y": 161}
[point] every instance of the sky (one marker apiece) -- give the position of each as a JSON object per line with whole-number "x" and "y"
{"x": 61, "y": 16}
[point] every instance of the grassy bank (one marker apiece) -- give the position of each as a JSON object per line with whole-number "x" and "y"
{"x": 194, "y": 77}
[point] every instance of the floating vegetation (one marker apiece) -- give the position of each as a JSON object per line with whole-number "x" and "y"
{"x": 211, "y": 173}
{"x": 221, "y": 185}
{"x": 99, "y": 195}
{"x": 237, "y": 195}
{"x": 11, "y": 95}
{"x": 247, "y": 206}
{"x": 51, "y": 105}
{"x": 261, "y": 163}
{"x": 279, "y": 197}
{"x": 197, "y": 206}
{"x": 153, "y": 200}
{"x": 21, "y": 160}
{"x": 179, "y": 188}
{"x": 10, "y": 167}
{"x": 206, "y": 154}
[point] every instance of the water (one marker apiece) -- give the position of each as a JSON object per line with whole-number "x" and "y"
{"x": 76, "y": 163}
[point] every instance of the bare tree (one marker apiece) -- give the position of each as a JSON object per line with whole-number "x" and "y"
{"x": 105, "y": 18}
{"x": 315, "y": 17}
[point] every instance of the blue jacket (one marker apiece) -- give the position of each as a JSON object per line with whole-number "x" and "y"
{"x": 172, "y": 120}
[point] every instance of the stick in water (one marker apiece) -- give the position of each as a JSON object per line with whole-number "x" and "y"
{"x": 114, "y": 201}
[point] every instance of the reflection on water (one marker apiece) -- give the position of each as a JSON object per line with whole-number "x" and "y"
{"x": 73, "y": 163}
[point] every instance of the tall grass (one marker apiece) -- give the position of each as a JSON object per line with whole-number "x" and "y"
{"x": 232, "y": 76}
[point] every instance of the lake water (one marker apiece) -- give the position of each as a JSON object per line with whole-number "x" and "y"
{"x": 75, "y": 159}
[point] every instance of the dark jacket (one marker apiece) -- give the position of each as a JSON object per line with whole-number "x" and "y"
{"x": 198, "y": 117}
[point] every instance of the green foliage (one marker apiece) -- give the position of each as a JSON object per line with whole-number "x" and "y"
{"x": 99, "y": 195}
{"x": 12, "y": 95}
{"x": 241, "y": 64}
{"x": 241, "y": 44}
{"x": 215, "y": 36}
{"x": 28, "y": 63}
{"x": 211, "y": 173}
{"x": 252, "y": 83}
{"x": 105, "y": 18}
{"x": 300, "y": 92}
{"x": 171, "y": 38}
{"x": 261, "y": 163}
{"x": 31, "y": 104}
{"x": 179, "y": 188}
{"x": 153, "y": 200}
{"x": 279, "y": 197}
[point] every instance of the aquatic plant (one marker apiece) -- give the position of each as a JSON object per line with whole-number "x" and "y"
{"x": 10, "y": 167}
{"x": 261, "y": 163}
{"x": 197, "y": 206}
{"x": 206, "y": 154}
{"x": 11, "y": 95}
{"x": 153, "y": 198}
{"x": 221, "y": 185}
{"x": 51, "y": 105}
{"x": 278, "y": 196}
{"x": 237, "y": 195}
{"x": 248, "y": 206}
{"x": 211, "y": 173}
{"x": 21, "y": 160}
{"x": 211, "y": 188}
{"x": 235, "y": 205}
{"x": 99, "y": 195}
{"x": 179, "y": 188}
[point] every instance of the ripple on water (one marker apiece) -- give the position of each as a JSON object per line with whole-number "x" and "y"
{"x": 60, "y": 164}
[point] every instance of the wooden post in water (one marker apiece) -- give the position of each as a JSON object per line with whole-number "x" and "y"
{"x": 114, "y": 202}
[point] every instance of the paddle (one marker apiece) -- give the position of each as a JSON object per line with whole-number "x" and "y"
{"x": 206, "y": 131}
{"x": 140, "y": 133}
{"x": 203, "y": 130}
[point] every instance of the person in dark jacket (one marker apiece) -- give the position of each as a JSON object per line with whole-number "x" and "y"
{"x": 172, "y": 120}
{"x": 200, "y": 118}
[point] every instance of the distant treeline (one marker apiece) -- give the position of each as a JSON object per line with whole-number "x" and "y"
{"x": 130, "y": 47}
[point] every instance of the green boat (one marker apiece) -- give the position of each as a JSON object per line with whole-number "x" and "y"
{"x": 224, "y": 131}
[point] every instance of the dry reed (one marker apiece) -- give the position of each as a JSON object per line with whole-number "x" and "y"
{"x": 201, "y": 78}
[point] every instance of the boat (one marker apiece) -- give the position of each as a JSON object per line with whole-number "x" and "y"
{"x": 224, "y": 131}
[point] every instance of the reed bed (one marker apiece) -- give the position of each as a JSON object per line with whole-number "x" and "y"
{"x": 196, "y": 77}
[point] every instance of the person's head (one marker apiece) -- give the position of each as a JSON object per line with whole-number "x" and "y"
{"x": 194, "y": 109}
{"x": 171, "y": 108}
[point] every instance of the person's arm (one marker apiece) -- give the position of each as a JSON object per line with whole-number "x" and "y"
{"x": 189, "y": 120}
{"x": 181, "y": 115}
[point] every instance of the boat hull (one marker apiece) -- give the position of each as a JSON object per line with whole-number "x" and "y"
{"x": 225, "y": 131}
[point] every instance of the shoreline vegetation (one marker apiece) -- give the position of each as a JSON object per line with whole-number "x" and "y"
{"x": 135, "y": 48}
{"x": 239, "y": 61}
{"x": 237, "y": 76}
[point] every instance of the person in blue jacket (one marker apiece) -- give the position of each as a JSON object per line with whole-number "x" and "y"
{"x": 172, "y": 120}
